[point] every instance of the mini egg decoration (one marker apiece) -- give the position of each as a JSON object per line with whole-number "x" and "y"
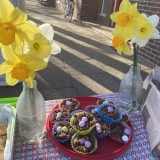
{"x": 98, "y": 125}
{"x": 58, "y": 117}
{"x": 59, "y": 114}
{"x": 59, "y": 129}
{"x": 123, "y": 113}
{"x": 125, "y": 138}
{"x": 127, "y": 131}
{"x": 93, "y": 111}
{"x": 99, "y": 130}
{"x": 81, "y": 123}
{"x": 64, "y": 129}
{"x": 69, "y": 103}
{"x": 82, "y": 140}
{"x": 110, "y": 109}
{"x": 87, "y": 144}
{"x": 85, "y": 119}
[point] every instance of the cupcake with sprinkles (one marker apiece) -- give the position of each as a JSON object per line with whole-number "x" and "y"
{"x": 84, "y": 144}
{"x": 109, "y": 112}
{"x": 59, "y": 115}
{"x": 120, "y": 132}
{"x": 83, "y": 122}
{"x": 69, "y": 104}
{"x": 62, "y": 131}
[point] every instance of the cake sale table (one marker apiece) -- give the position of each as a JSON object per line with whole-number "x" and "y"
{"x": 45, "y": 150}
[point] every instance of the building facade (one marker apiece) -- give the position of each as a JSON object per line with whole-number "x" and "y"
{"x": 99, "y": 11}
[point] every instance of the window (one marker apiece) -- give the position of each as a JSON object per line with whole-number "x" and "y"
{"x": 104, "y": 8}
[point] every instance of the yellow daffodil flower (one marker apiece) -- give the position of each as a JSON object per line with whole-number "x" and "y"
{"x": 20, "y": 67}
{"x": 121, "y": 45}
{"x": 14, "y": 27}
{"x": 127, "y": 18}
{"x": 43, "y": 45}
{"x": 146, "y": 31}
{"x": 40, "y": 46}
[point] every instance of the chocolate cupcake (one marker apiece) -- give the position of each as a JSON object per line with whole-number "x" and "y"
{"x": 120, "y": 132}
{"x": 109, "y": 112}
{"x": 101, "y": 130}
{"x": 69, "y": 104}
{"x": 83, "y": 122}
{"x": 62, "y": 131}
{"x": 84, "y": 144}
{"x": 59, "y": 115}
{"x": 92, "y": 109}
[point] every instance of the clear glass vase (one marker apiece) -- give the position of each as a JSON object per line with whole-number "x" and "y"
{"x": 31, "y": 114}
{"x": 130, "y": 89}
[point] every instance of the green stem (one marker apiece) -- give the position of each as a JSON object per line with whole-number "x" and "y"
{"x": 135, "y": 60}
{"x": 135, "y": 55}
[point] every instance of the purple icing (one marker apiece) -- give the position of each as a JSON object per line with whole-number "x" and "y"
{"x": 127, "y": 131}
{"x": 110, "y": 109}
{"x": 82, "y": 140}
{"x": 85, "y": 119}
{"x": 81, "y": 123}
{"x": 69, "y": 103}
{"x": 87, "y": 144}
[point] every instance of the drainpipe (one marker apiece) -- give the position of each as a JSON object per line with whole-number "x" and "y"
{"x": 114, "y": 8}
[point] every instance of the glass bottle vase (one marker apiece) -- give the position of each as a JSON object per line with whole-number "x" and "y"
{"x": 130, "y": 89}
{"x": 31, "y": 114}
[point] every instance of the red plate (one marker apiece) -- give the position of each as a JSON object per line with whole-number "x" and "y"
{"x": 107, "y": 147}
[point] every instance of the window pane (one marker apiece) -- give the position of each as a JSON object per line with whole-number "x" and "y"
{"x": 104, "y": 9}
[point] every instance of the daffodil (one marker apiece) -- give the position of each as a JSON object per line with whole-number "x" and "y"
{"x": 43, "y": 45}
{"x": 121, "y": 45}
{"x": 20, "y": 67}
{"x": 14, "y": 27}
{"x": 127, "y": 18}
{"x": 146, "y": 31}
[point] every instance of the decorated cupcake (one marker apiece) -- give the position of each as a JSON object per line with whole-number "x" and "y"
{"x": 59, "y": 115}
{"x": 93, "y": 110}
{"x": 70, "y": 104}
{"x": 101, "y": 130}
{"x": 84, "y": 144}
{"x": 83, "y": 122}
{"x": 62, "y": 131}
{"x": 120, "y": 132}
{"x": 109, "y": 112}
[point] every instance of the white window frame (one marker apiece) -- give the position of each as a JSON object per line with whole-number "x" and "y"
{"x": 102, "y": 8}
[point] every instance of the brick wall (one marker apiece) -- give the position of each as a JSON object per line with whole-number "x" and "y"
{"x": 151, "y": 52}
{"x": 105, "y": 20}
